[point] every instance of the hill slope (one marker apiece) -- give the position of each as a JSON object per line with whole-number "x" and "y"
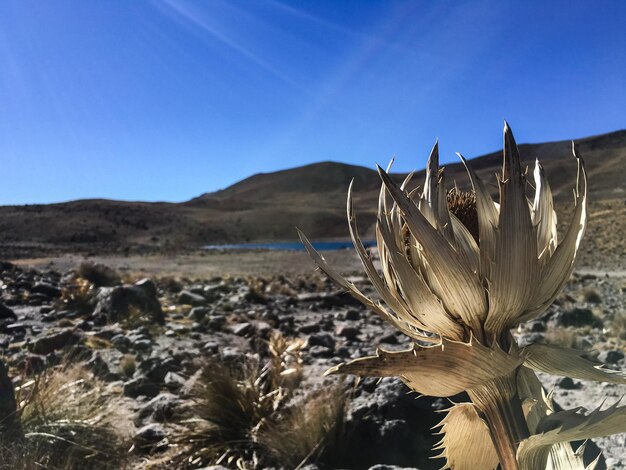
{"x": 267, "y": 206}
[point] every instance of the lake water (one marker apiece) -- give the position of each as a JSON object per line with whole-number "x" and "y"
{"x": 289, "y": 246}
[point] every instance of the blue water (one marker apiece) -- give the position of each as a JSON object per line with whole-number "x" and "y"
{"x": 288, "y": 246}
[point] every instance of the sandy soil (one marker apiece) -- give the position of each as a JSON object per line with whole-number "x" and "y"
{"x": 204, "y": 264}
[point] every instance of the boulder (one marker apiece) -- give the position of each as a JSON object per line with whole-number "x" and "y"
{"x": 52, "y": 342}
{"x": 6, "y": 312}
{"x": 115, "y": 302}
{"x": 46, "y": 289}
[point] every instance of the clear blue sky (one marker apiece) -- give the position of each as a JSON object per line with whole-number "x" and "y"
{"x": 167, "y": 99}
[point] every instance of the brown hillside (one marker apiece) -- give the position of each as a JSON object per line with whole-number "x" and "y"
{"x": 268, "y": 206}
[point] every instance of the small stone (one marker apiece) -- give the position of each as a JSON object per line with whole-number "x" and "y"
{"x": 148, "y": 437}
{"x": 54, "y": 341}
{"x": 142, "y": 345}
{"x": 611, "y": 357}
{"x": 216, "y": 322}
{"x": 389, "y": 339}
{"x": 351, "y": 333}
{"x": 537, "y": 327}
{"x": 140, "y": 386}
{"x": 309, "y": 328}
{"x": 241, "y": 329}
{"x": 160, "y": 408}
{"x": 46, "y": 289}
{"x": 189, "y": 298}
{"x": 198, "y": 313}
{"x": 321, "y": 351}
{"x": 323, "y": 339}
{"x": 121, "y": 343}
{"x": 566, "y": 383}
{"x": 6, "y": 312}
{"x": 173, "y": 381}
{"x": 211, "y": 347}
{"x": 353, "y": 314}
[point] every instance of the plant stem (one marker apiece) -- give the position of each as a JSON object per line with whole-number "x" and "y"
{"x": 500, "y": 404}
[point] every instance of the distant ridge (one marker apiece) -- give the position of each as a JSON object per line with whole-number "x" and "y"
{"x": 267, "y": 206}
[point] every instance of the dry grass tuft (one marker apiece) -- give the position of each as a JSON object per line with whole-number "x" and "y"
{"x": 592, "y": 296}
{"x": 62, "y": 416}
{"x": 78, "y": 296}
{"x": 242, "y": 410}
{"x": 566, "y": 337}
{"x": 618, "y": 326}
{"x": 313, "y": 431}
{"x": 98, "y": 274}
{"x": 230, "y": 404}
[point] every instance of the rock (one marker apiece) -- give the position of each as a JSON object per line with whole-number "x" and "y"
{"x": 392, "y": 426}
{"x": 115, "y": 302}
{"x": 329, "y": 300}
{"x": 148, "y": 286}
{"x": 389, "y": 339}
{"x": 323, "y": 339}
{"x": 240, "y": 329}
{"x": 173, "y": 381}
{"x": 578, "y": 316}
{"x": 566, "y": 383}
{"x": 156, "y": 367}
{"x": 216, "y": 322}
{"x": 211, "y": 347}
{"x": 526, "y": 339}
{"x": 46, "y": 289}
{"x": 321, "y": 351}
{"x": 309, "y": 328}
{"x": 147, "y": 437}
{"x": 611, "y": 357}
{"x": 98, "y": 366}
{"x": 6, "y": 312}
{"x": 189, "y": 298}
{"x": 390, "y": 467}
{"x": 353, "y": 314}
{"x": 198, "y": 313}
{"x": 263, "y": 329}
{"x": 140, "y": 386}
{"x": 14, "y": 328}
{"x": 351, "y": 333}
{"x": 160, "y": 408}
{"x": 537, "y": 327}
{"x": 142, "y": 344}
{"x": 54, "y": 341}
{"x": 121, "y": 343}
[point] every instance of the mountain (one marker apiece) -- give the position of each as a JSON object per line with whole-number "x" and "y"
{"x": 268, "y": 206}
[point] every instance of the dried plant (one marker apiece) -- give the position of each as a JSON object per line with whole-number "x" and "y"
{"x": 65, "y": 425}
{"x": 98, "y": 274}
{"x": 312, "y": 431}
{"x": 458, "y": 294}
{"x": 234, "y": 403}
{"x": 78, "y": 296}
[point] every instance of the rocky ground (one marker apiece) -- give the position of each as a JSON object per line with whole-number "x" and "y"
{"x": 146, "y": 339}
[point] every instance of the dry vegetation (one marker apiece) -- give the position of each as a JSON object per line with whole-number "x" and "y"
{"x": 64, "y": 424}
{"x": 244, "y": 417}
